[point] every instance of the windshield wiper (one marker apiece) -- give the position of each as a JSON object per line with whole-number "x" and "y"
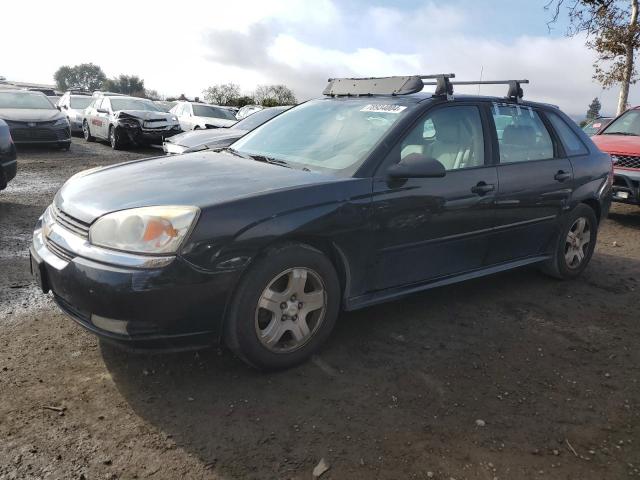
{"x": 259, "y": 158}
{"x": 629, "y": 134}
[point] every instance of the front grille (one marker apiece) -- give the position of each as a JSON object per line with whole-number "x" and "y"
{"x": 72, "y": 224}
{"x": 58, "y": 251}
{"x": 626, "y": 161}
{"x": 38, "y": 134}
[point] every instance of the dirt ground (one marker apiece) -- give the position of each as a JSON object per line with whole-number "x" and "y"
{"x": 508, "y": 377}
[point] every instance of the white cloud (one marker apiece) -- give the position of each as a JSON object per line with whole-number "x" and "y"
{"x": 183, "y": 48}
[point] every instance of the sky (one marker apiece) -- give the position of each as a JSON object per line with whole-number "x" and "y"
{"x": 186, "y": 46}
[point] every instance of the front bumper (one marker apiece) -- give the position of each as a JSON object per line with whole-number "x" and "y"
{"x": 8, "y": 170}
{"x": 626, "y": 186}
{"x": 172, "y": 307}
{"x": 145, "y": 136}
{"x": 48, "y": 135}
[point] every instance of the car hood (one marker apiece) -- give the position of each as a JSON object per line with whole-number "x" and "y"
{"x": 195, "y": 138}
{"x": 30, "y": 114}
{"x": 200, "y": 179}
{"x": 144, "y": 115}
{"x": 216, "y": 122}
{"x": 620, "y": 144}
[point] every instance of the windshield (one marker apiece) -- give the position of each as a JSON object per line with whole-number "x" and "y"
{"x": 258, "y": 118}
{"x": 327, "y": 135}
{"x": 133, "y": 104}
{"x": 213, "y": 112}
{"x": 25, "y": 100}
{"x": 626, "y": 124}
{"x": 80, "y": 102}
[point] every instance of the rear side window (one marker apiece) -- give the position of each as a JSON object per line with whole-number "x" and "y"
{"x": 521, "y": 134}
{"x": 572, "y": 143}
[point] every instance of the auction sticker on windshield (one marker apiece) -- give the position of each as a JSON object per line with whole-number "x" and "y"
{"x": 382, "y": 108}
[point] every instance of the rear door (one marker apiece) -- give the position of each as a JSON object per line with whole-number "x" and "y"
{"x": 428, "y": 228}
{"x": 535, "y": 183}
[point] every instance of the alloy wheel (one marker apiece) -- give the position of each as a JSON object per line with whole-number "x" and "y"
{"x": 290, "y": 310}
{"x": 577, "y": 242}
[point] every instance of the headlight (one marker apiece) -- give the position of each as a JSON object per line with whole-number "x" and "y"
{"x": 129, "y": 122}
{"x": 61, "y": 121}
{"x": 174, "y": 119}
{"x": 144, "y": 230}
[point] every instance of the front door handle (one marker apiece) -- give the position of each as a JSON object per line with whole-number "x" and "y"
{"x": 483, "y": 188}
{"x": 561, "y": 176}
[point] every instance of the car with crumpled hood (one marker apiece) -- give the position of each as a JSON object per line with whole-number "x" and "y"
{"x": 127, "y": 121}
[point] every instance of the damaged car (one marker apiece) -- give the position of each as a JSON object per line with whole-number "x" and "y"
{"x": 8, "y": 161}
{"x": 201, "y": 116}
{"x": 127, "y": 121}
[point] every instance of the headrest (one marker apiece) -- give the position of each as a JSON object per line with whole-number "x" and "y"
{"x": 519, "y": 135}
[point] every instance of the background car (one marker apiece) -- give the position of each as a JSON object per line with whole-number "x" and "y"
{"x": 193, "y": 116}
{"x": 621, "y": 139}
{"x": 219, "y": 137}
{"x": 73, "y": 106}
{"x": 594, "y": 126}
{"x": 33, "y": 119}
{"x": 126, "y": 120}
{"x": 8, "y": 161}
{"x": 247, "y": 110}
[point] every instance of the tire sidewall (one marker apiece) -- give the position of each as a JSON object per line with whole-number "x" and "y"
{"x": 241, "y": 333}
{"x": 587, "y": 212}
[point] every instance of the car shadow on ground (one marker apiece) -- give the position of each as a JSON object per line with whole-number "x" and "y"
{"x": 626, "y": 219}
{"x": 395, "y": 382}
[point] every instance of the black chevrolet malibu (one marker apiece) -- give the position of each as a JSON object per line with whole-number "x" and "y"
{"x": 373, "y": 192}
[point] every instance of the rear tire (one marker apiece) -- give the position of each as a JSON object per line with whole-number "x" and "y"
{"x": 575, "y": 245}
{"x": 86, "y": 132}
{"x": 284, "y": 308}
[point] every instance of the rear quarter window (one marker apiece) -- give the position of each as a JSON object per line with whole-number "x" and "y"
{"x": 570, "y": 140}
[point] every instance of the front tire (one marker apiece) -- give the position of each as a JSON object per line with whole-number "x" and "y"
{"x": 86, "y": 132}
{"x": 576, "y": 243}
{"x": 114, "y": 138}
{"x": 284, "y": 308}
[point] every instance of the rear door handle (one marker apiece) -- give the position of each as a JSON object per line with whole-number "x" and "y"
{"x": 561, "y": 176}
{"x": 483, "y": 188}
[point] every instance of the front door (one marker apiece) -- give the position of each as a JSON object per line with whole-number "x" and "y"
{"x": 434, "y": 227}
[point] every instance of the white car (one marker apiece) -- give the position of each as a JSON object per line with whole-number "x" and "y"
{"x": 247, "y": 110}
{"x": 194, "y": 116}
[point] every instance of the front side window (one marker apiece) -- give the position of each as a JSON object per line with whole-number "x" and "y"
{"x": 451, "y": 135}
{"x": 626, "y": 124}
{"x": 521, "y": 134}
{"x": 332, "y": 135}
{"x": 572, "y": 144}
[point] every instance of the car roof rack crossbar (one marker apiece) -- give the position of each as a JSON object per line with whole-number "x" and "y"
{"x": 515, "y": 86}
{"x": 400, "y": 85}
{"x": 444, "y": 86}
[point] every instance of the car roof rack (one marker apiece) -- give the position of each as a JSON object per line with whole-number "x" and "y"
{"x": 514, "y": 92}
{"x": 405, "y": 85}
{"x": 399, "y": 85}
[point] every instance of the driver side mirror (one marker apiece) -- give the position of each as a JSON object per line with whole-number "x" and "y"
{"x": 102, "y": 110}
{"x": 417, "y": 166}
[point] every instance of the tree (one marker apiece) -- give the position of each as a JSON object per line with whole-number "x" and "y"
{"x": 594, "y": 109}
{"x": 244, "y": 100}
{"x": 127, "y": 84}
{"x": 274, "y": 95}
{"x": 85, "y": 76}
{"x": 613, "y": 32}
{"x": 222, "y": 94}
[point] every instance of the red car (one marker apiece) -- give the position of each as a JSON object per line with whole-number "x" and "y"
{"x": 621, "y": 139}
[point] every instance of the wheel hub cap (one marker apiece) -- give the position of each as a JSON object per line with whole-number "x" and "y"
{"x": 577, "y": 242}
{"x": 290, "y": 310}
